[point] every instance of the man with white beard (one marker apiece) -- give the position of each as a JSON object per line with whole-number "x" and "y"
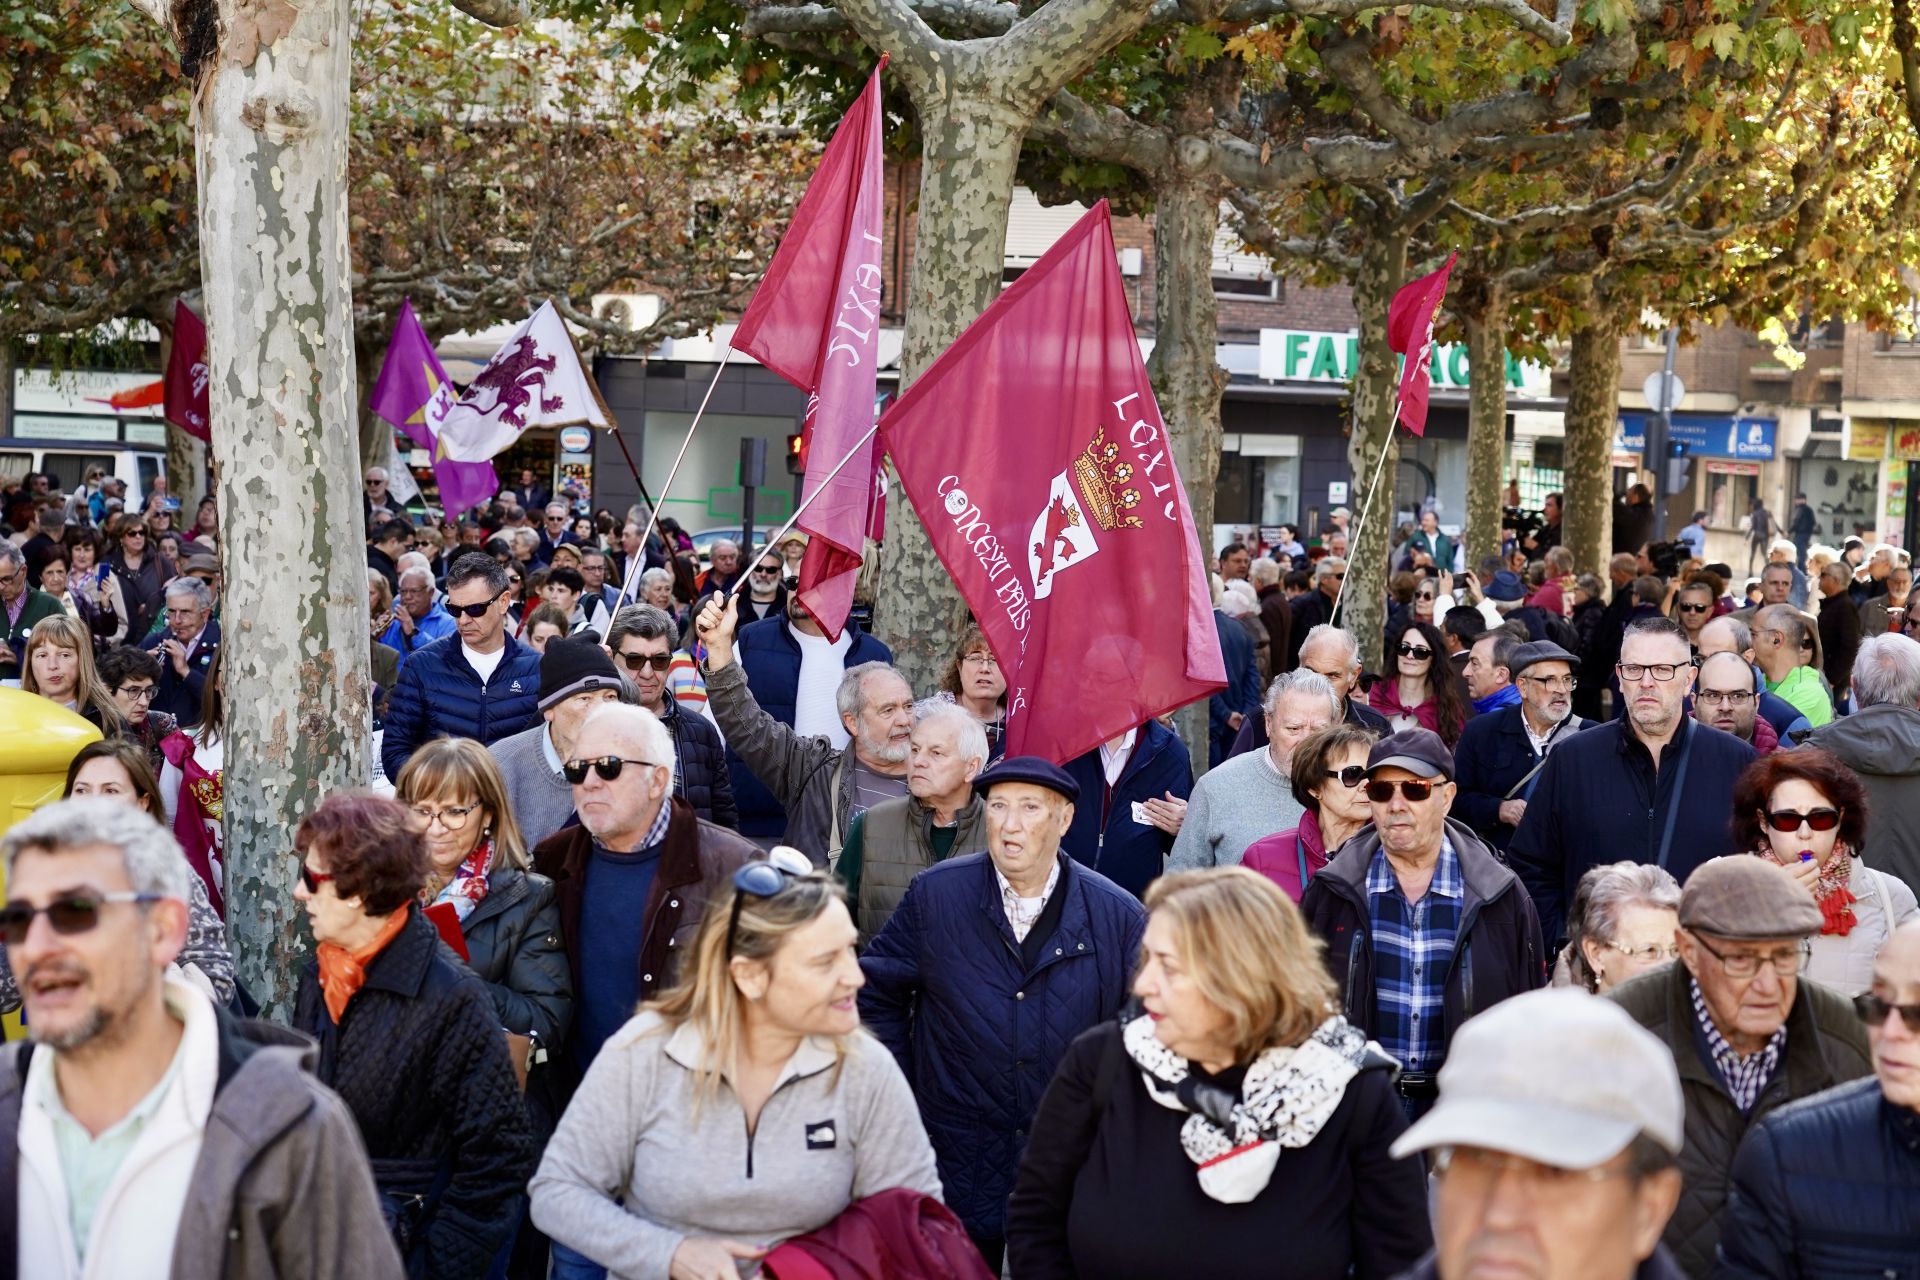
{"x": 1501, "y": 754}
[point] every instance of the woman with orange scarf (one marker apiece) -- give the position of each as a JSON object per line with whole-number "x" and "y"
{"x": 1808, "y": 812}
{"x": 409, "y": 1039}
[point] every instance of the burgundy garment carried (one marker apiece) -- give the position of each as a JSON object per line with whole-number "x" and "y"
{"x": 895, "y": 1235}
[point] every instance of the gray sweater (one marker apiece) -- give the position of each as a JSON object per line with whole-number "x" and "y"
{"x": 1234, "y": 804}
{"x": 683, "y": 1168}
{"x": 542, "y": 801}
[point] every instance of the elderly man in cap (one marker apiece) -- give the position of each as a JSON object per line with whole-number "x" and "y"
{"x": 1500, "y": 755}
{"x": 576, "y": 675}
{"x": 985, "y": 973}
{"x": 1726, "y": 695}
{"x": 1653, "y": 786}
{"x": 1423, "y": 924}
{"x": 1746, "y": 1031}
{"x": 1250, "y": 797}
{"x": 1832, "y": 1186}
{"x": 1555, "y": 1141}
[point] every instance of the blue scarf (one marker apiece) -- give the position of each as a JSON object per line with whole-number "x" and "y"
{"x": 1508, "y": 696}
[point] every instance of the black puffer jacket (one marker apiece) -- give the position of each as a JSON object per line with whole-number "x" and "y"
{"x": 419, "y": 1058}
{"x": 702, "y": 779}
{"x": 1825, "y": 1046}
{"x": 1826, "y": 1187}
{"x": 513, "y": 944}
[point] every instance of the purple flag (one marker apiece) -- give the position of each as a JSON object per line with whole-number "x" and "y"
{"x": 414, "y": 395}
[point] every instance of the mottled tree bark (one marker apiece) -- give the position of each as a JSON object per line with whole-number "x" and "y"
{"x": 271, "y": 148}
{"x": 1593, "y": 407}
{"x": 1485, "y": 318}
{"x": 1383, "y": 269}
{"x": 1187, "y": 377}
{"x": 375, "y": 436}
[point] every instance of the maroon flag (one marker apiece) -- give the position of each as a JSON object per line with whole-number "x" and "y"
{"x": 1034, "y": 453}
{"x": 1410, "y": 320}
{"x": 815, "y": 321}
{"x": 187, "y": 374}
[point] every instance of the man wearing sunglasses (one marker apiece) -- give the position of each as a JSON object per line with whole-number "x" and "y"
{"x": 1831, "y": 1188}
{"x": 1653, "y": 786}
{"x": 479, "y": 683}
{"x": 766, "y": 595}
{"x": 1424, "y": 925}
{"x": 1748, "y": 1033}
{"x": 575, "y": 677}
{"x": 143, "y": 1128}
{"x": 1500, "y": 755}
{"x": 634, "y": 877}
{"x": 642, "y": 640}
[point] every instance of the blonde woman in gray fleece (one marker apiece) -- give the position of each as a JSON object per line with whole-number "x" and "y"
{"x": 743, "y": 1107}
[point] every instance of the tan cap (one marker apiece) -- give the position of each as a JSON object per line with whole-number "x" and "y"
{"x": 1557, "y": 1076}
{"x": 1744, "y": 896}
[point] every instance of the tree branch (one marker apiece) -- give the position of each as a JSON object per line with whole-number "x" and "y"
{"x": 923, "y": 59}
{"x": 496, "y": 13}
{"x": 1058, "y": 43}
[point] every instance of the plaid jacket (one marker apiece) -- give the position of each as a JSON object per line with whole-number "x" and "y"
{"x": 1412, "y": 952}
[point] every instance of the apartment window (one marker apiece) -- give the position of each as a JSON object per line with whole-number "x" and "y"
{"x": 1246, "y": 288}
{"x": 1910, "y": 340}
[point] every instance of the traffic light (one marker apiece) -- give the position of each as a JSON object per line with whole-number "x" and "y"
{"x": 1679, "y": 466}
{"x": 796, "y": 455}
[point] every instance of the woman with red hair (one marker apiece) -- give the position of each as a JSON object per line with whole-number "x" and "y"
{"x": 1808, "y": 812}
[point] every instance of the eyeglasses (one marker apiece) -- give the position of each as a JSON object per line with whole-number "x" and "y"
{"x": 764, "y": 880}
{"x": 985, "y": 661}
{"x": 1694, "y": 608}
{"x": 1554, "y": 683}
{"x": 1727, "y": 697}
{"x": 1424, "y": 595}
{"x": 1819, "y": 819}
{"x": 134, "y": 533}
{"x": 1414, "y": 651}
{"x": 1745, "y": 964}
{"x": 637, "y": 662}
{"x": 453, "y": 817}
{"x": 474, "y": 610}
{"x": 75, "y": 913}
{"x": 1662, "y": 671}
{"x": 766, "y": 571}
{"x": 608, "y": 767}
{"x": 311, "y": 878}
{"x": 1874, "y": 1011}
{"x": 1380, "y": 791}
{"x": 1651, "y": 953}
{"x": 1351, "y": 776}
{"x": 142, "y": 694}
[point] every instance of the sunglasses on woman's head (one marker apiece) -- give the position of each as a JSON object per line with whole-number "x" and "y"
{"x": 1380, "y": 791}
{"x": 764, "y": 880}
{"x": 608, "y": 767}
{"x": 1819, "y": 819}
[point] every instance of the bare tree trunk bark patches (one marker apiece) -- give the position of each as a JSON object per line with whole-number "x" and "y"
{"x": 1486, "y": 326}
{"x": 1593, "y": 408}
{"x": 1383, "y": 269}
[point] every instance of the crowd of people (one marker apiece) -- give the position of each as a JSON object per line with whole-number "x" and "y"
{"x": 1564, "y": 930}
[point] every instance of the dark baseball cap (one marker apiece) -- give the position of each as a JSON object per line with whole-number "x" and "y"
{"x": 1418, "y": 751}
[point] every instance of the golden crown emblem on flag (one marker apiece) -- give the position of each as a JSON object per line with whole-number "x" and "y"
{"x": 1104, "y": 484}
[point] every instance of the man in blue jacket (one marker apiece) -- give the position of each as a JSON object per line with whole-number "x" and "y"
{"x": 1228, "y": 709}
{"x": 1501, "y": 754}
{"x": 1653, "y": 786}
{"x": 480, "y": 683}
{"x": 986, "y": 972}
{"x": 185, "y": 650}
{"x": 784, "y": 659}
{"x": 1143, "y": 779}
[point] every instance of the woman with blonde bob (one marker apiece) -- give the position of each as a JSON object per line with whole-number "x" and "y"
{"x": 59, "y": 667}
{"x": 742, "y": 1107}
{"x": 1237, "y": 1115}
{"x": 477, "y": 867}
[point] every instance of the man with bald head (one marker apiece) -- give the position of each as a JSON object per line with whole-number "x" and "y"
{"x": 1726, "y": 696}
{"x": 1783, "y": 647}
{"x": 1732, "y": 634}
{"x": 1832, "y": 1186}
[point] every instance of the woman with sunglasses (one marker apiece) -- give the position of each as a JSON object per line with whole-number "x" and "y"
{"x": 477, "y": 867}
{"x": 409, "y": 1039}
{"x": 1418, "y": 688}
{"x": 1238, "y": 1126}
{"x": 1808, "y": 812}
{"x": 1328, "y": 770}
{"x": 142, "y": 574}
{"x": 742, "y": 1107}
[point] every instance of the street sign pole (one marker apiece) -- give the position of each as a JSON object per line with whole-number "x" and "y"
{"x": 1663, "y": 393}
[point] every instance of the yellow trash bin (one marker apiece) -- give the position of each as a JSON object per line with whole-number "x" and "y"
{"x": 38, "y": 740}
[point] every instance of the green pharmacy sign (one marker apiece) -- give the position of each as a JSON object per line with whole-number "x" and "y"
{"x": 1309, "y": 355}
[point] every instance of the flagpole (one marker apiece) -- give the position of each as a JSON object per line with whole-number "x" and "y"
{"x": 819, "y": 489}
{"x": 653, "y": 515}
{"x": 1353, "y": 544}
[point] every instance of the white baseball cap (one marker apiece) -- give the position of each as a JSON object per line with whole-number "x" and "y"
{"x": 1557, "y": 1076}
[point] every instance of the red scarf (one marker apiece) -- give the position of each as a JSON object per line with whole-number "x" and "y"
{"x": 1835, "y": 898}
{"x": 343, "y": 972}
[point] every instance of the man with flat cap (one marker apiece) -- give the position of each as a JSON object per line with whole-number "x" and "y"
{"x": 1498, "y": 760}
{"x": 1424, "y": 925}
{"x": 1556, "y": 1140}
{"x": 1747, "y": 1032}
{"x": 984, "y": 974}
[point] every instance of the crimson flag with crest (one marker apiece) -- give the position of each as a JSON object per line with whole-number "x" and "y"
{"x": 1034, "y": 453}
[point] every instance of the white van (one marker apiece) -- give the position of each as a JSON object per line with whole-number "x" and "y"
{"x": 68, "y": 463}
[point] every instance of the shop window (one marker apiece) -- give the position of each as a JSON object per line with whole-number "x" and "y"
{"x": 1844, "y": 495}
{"x": 1729, "y": 498}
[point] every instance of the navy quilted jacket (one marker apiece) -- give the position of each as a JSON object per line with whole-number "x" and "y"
{"x": 702, "y": 779}
{"x": 978, "y": 1033}
{"x": 440, "y": 694}
{"x": 768, "y": 653}
{"x": 1828, "y": 1187}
